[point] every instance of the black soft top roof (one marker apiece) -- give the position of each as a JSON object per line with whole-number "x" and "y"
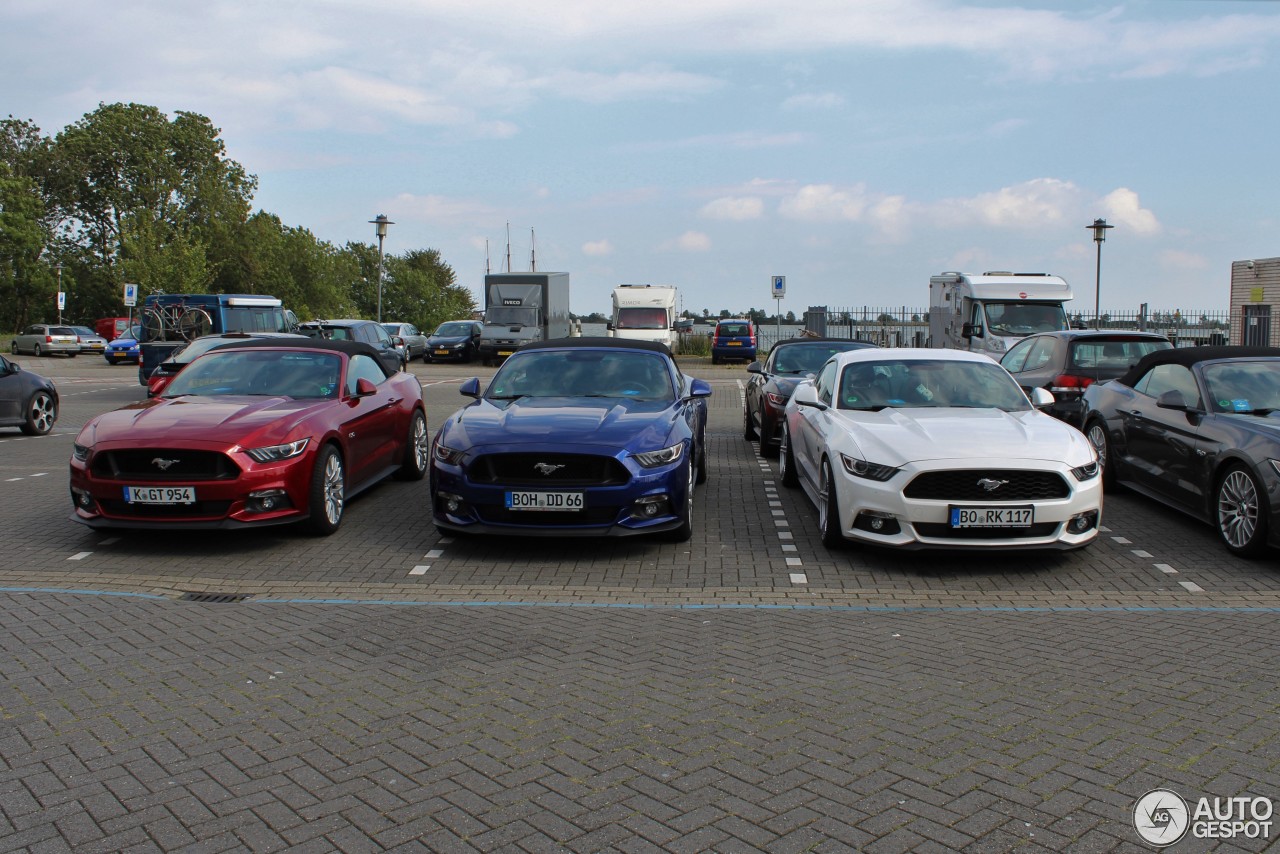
{"x": 1188, "y": 356}
{"x": 814, "y": 339}
{"x": 598, "y": 341}
{"x": 351, "y": 348}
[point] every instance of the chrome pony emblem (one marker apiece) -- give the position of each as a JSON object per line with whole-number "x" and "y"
{"x": 163, "y": 464}
{"x": 547, "y": 468}
{"x": 991, "y": 484}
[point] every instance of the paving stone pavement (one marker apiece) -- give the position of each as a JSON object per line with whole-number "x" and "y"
{"x": 621, "y": 696}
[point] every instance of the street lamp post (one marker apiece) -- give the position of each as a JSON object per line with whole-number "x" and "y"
{"x": 58, "y": 269}
{"x": 1099, "y": 228}
{"x": 380, "y": 223}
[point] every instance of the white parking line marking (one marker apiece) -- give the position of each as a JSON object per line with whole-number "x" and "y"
{"x": 1122, "y": 541}
{"x": 12, "y": 479}
{"x": 1192, "y": 586}
{"x": 799, "y": 578}
{"x": 775, "y": 503}
{"x": 781, "y": 523}
{"x": 80, "y": 556}
{"x": 784, "y": 535}
{"x": 444, "y": 541}
{"x": 420, "y": 570}
{"x": 786, "y": 547}
{"x": 778, "y": 512}
{"x": 40, "y": 474}
{"x": 433, "y": 554}
{"x": 794, "y": 561}
{"x": 1104, "y": 529}
{"x": 1141, "y": 553}
{"x": 1164, "y": 567}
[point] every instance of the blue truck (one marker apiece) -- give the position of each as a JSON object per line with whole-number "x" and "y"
{"x": 169, "y": 321}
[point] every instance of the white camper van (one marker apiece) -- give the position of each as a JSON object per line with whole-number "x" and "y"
{"x": 991, "y": 312}
{"x": 644, "y": 313}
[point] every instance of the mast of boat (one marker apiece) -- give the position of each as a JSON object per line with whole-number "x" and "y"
{"x": 533, "y": 253}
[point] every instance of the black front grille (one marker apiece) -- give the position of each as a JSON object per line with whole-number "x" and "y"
{"x": 196, "y": 510}
{"x": 589, "y": 516}
{"x": 164, "y": 464}
{"x": 553, "y": 470}
{"x": 963, "y": 485}
{"x": 941, "y": 530}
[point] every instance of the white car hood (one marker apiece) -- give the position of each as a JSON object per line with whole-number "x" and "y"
{"x": 900, "y": 436}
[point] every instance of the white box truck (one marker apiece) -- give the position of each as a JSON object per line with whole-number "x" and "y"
{"x": 991, "y": 312}
{"x": 644, "y": 313}
{"x": 522, "y": 307}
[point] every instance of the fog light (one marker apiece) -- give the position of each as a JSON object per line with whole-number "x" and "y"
{"x": 650, "y": 507}
{"x": 267, "y": 500}
{"x": 81, "y": 499}
{"x": 877, "y": 522}
{"x": 1083, "y": 522}
{"x": 450, "y": 503}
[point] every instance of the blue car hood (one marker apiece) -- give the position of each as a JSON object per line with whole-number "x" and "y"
{"x": 636, "y": 425}
{"x": 444, "y": 340}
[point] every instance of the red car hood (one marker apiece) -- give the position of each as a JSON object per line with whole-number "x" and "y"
{"x": 224, "y": 420}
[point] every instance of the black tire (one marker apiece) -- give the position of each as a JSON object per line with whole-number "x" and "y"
{"x": 1096, "y": 432}
{"x": 748, "y": 428}
{"x": 767, "y": 450}
{"x": 683, "y": 533}
{"x": 829, "y": 510}
{"x": 701, "y": 476}
{"x": 327, "y": 500}
{"x": 41, "y": 412}
{"x": 35, "y": 350}
{"x": 1240, "y": 512}
{"x": 73, "y": 355}
{"x": 13, "y": 348}
{"x": 417, "y": 450}
{"x": 787, "y": 461}
{"x": 715, "y": 360}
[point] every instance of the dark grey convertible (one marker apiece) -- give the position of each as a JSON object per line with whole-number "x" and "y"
{"x": 1198, "y": 429}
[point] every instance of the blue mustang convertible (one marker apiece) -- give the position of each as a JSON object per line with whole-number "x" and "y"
{"x": 574, "y": 437}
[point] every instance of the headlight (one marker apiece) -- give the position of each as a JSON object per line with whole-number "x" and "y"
{"x": 80, "y": 452}
{"x": 1088, "y": 471}
{"x": 666, "y": 456}
{"x": 449, "y": 456}
{"x": 871, "y": 471}
{"x": 276, "y": 453}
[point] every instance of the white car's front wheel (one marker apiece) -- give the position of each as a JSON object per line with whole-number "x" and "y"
{"x": 829, "y": 509}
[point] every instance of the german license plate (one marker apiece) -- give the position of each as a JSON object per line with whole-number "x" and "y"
{"x": 441, "y": 352}
{"x": 545, "y": 501}
{"x": 506, "y": 352}
{"x": 992, "y": 517}
{"x": 160, "y": 494}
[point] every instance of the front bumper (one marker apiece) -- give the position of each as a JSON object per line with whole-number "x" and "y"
{"x": 461, "y": 504}
{"x": 881, "y": 513}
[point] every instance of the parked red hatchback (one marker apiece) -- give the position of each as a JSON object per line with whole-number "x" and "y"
{"x": 262, "y": 432}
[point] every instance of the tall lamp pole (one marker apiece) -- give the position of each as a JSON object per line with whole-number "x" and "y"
{"x": 380, "y": 223}
{"x": 1099, "y": 228}
{"x": 58, "y": 268}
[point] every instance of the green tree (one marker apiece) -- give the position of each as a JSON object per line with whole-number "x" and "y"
{"x": 27, "y": 284}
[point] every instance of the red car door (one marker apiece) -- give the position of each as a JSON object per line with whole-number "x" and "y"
{"x": 371, "y": 425}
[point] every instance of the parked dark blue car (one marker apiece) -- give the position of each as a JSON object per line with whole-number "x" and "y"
{"x": 575, "y": 437}
{"x": 124, "y": 348}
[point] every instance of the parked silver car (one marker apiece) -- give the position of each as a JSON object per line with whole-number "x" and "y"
{"x": 415, "y": 343}
{"x": 42, "y": 339}
{"x": 90, "y": 341}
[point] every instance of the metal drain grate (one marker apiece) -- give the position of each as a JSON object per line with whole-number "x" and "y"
{"x": 215, "y": 598}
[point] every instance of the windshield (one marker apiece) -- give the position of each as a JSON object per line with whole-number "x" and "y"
{"x": 1024, "y": 318}
{"x": 1252, "y": 387}
{"x": 583, "y": 373}
{"x": 511, "y": 315}
{"x": 808, "y": 358}
{"x": 276, "y": 373}
{"x": 454, "y": 329}
{"x": 914, "y": 383}
{"x": 84, "y": 331}
{"x": 642, "y": 318}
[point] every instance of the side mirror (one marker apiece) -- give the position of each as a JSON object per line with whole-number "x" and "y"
{"x": 470, "y": 388}
{"x": 365, "y": 387}
{"x": 1041, "y": 397}
{"x": 806, "y": 394}
{"x": 14, "y": 367}
{"x": 397, "y": 341}
{"x": 970, "y": 331}
{"x": 1172, "y": 399}
{"x": 699, "y": 388}
{"x": 755, "y": 368}
{"x": 609, "y": 326}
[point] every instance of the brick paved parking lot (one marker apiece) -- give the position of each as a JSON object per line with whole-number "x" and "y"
{"x": 748, "y": 690}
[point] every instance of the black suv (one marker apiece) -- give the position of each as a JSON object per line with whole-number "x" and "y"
{"x": 359, "y": 330}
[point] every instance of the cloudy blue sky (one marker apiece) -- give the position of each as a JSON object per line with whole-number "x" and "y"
{"x": 855, "y": 146}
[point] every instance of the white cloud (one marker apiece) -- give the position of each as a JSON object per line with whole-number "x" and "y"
{"x": 825, "y": 203}
{"x": 690, "y": 241}
{"x": 734, "y": 208}
{"x": 1030, "y": 205}
{"x": 814, "y": 101}
{"x": 597, "y": 248}
{"x": 1123, "y": 209}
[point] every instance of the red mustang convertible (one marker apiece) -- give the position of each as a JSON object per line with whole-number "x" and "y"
{"x": 264, "y": 432}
